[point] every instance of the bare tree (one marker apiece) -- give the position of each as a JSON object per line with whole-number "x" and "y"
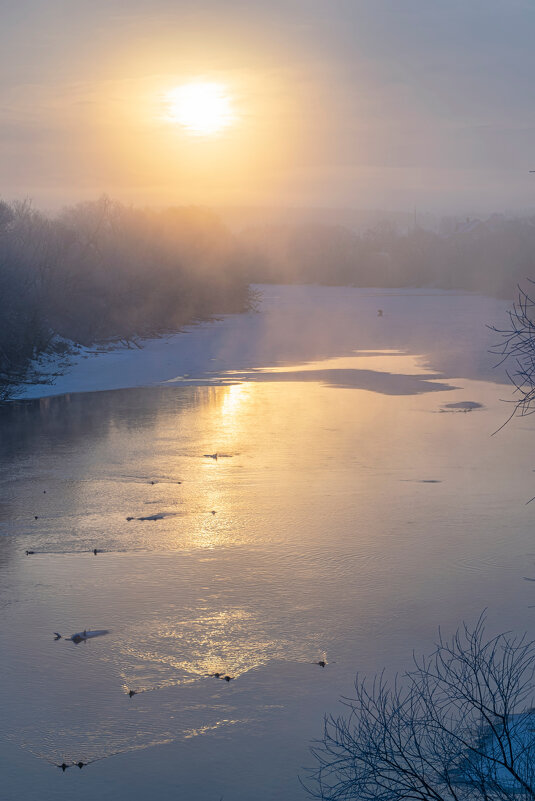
{"x": 517, "y": 346}
{"x": 458, "y": 726}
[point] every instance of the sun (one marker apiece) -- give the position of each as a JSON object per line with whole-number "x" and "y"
{"x": 202, "y": 108}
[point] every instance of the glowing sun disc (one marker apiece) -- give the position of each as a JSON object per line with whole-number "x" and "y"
{"x": 201, "y": 108}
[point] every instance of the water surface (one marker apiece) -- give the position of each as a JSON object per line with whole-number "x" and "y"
{"x": 315, "y": 498}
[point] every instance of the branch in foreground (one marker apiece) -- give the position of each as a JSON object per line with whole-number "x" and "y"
{"x": 518, "y": 345}
{"x": 458, "y": 726}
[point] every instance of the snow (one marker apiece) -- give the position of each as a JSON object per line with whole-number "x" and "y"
{"x": 294, "y": 324}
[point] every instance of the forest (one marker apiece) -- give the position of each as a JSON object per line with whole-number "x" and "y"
{"x": 487, "y": 256}
{"x": 105, "y": 272}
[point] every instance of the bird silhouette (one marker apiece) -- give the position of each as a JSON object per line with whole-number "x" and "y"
{"x": 80, "y": 764}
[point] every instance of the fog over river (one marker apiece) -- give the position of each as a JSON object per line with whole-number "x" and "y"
{"x": 311, "y": 481}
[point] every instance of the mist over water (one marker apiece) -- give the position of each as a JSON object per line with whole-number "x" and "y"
{"x": 316, "y": 498}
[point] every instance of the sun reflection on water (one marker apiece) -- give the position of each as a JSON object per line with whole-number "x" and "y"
{"x": 234, "y": 399}
{"x": 181, "y": 652}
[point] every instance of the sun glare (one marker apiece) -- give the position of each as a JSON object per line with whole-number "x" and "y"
{"x": 203, "y": 109}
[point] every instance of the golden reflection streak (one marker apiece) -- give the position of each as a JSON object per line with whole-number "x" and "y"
{"x": 219, "y": 642}
{"x": 224, "y": 429}
{"x": 233, "y": 400}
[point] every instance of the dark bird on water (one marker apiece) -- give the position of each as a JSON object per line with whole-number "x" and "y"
{"x": 57, "y": 636}
{"x": 228, "y": 678}
{"x": 321, "y": 663}
{"x": 80, "y": 764}
{"x": 36, "y": 518}
{"x": 131, "y": 693}
{"x": 95, "y": 551}
{"x": 29, "y": 553}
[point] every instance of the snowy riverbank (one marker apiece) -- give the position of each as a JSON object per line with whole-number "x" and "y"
{"x": 293, "y": 324}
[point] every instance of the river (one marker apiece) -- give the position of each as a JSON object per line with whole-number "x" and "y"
{"x": 324, "y": 485}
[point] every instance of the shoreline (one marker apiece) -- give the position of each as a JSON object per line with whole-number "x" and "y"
{"x": 99, "y": 368}
{"x": 291, "y": 325}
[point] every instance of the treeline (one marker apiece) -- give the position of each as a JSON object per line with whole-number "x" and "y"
{"x": 102, "y": 271}
{"x": 490, "y": 257}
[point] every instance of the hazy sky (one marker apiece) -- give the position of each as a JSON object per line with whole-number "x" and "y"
{"x": 365, "y": 103}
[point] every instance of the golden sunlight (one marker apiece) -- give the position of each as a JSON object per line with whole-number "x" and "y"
{"x": 203, "y": 109}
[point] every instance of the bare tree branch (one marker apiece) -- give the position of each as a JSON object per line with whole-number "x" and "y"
{"x": 459, "y": 726}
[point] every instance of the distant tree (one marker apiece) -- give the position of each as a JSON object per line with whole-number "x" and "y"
{"x": 457, "y": 727}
